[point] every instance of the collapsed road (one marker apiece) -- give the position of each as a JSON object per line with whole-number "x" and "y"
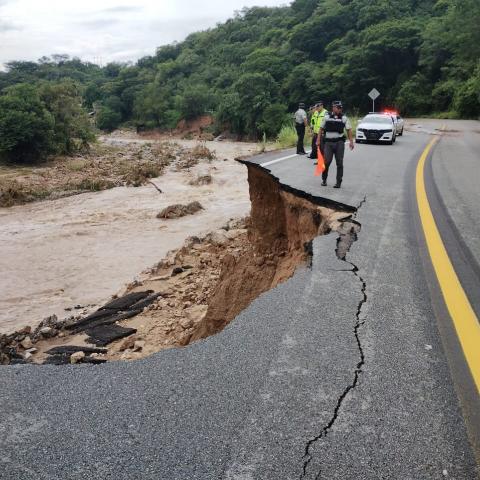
{"x": 195, "y": 291}
{"x": 339, "y": 372}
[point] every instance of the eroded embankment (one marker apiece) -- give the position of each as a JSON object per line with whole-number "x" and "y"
{"x": 281, "y": 227}
{"x": 195, "y": 291}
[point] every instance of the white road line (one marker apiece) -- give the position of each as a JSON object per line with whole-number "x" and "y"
{"x": 266, "y": 164}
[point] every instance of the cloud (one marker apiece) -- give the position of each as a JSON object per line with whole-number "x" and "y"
{"x": 8, "y": 26}
{"x": 122, "y": 9}
{"x": 117, "y": 30}
{"x": 98, "y": 23}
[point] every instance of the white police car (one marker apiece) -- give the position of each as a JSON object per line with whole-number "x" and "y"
{"x": 376, "y": 127}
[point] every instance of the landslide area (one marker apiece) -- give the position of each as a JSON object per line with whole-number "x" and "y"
{"x": 281, "y": 227}
{"x": 195, "y": 291}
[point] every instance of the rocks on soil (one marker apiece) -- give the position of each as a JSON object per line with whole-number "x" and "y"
{"x": 77, "y": 357}
{"x": 201, "y": 180}
{"x": 179, "y": 210}
{"x": 71, "y": 354}
{"x": 100, "y": 326}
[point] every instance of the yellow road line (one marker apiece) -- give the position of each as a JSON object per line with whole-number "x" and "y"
{"x": 465, "y": 321}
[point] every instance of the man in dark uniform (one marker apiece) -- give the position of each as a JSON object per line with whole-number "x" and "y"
{"x": 333, "y": 129}
{"x": 301, "y": 123}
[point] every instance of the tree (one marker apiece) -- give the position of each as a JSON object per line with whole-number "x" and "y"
{"x": 414, "y": 96}
{"x": 108, "y": 119}
{"x": 467, "y": 97}
{"x": 273, "y": 118}
{"x": 73, "y": 129}
{"x": 26, "y": 126}
{"x": 195, "y": 101}
{"x": 254, "y": 93}
{"x": 265, "y": 58}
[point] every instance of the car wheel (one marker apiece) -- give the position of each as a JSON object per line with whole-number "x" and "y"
{"x": 401, "y": 133}
{"x": 358, "y": 141}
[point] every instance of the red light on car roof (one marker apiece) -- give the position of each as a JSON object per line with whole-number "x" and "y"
{"x": 391, "y": 112}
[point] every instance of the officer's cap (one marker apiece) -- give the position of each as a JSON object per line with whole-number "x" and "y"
{"x": 301, "y": 105}
{"x": 320, "y": 102}
{"x": 337, "y": 103}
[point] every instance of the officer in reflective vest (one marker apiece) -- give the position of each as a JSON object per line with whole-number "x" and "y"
{"x": 315, "y": 123}
{"x": 333, "y": 129}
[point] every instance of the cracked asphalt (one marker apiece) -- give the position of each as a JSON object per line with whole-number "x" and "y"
{"x": 247, "y": 403}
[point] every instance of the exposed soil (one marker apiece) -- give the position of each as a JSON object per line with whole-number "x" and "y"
{"x": 198, "y": 289}
{"x": 105, "y": 166}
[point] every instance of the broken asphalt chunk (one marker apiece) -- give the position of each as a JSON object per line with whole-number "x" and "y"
{"x": 105, "y": 334}
{"x": 145, "y": 302}
{"x": 109, "y": 320}
{"x": 125, "y": 302}
{"x": 69, "y": 349}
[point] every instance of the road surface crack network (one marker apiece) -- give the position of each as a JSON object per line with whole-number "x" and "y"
{"x": 344, "y": 242}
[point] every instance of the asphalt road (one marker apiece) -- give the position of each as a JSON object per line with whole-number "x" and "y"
{"x": 335, "y": 374}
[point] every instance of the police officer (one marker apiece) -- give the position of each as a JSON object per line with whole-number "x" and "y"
{"x": 300, "y": 124}
{"x": 333, "y": 129}
{"x": 315, "y": 123}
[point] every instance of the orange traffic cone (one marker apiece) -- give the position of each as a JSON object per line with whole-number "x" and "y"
{"x": 320, "y": 163}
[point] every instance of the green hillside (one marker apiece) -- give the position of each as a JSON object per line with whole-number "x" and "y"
{"x": 422, "y": 55}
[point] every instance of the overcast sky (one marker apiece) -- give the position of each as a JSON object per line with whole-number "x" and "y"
{"x": 106, "y": 30}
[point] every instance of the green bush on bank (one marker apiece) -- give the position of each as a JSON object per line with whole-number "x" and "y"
{"x": 40, "y": 120}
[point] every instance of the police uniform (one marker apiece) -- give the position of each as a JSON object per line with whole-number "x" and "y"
{"x": 300, "y": 117}
{"x": 316, "y": 123}
{"x": 334, "y": 127}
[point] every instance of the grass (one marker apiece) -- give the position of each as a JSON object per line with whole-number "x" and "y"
{"x": 287, "y": 137}
{"x": 102, "y": 168}
{"x": 13, "y": 192}
{"x": 93, "y": 184}
{"x": 78, "y": 165}
{"x": 139, "y": 174}
{"x": 202, "y": 151}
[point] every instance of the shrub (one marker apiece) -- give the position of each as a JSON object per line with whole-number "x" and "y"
{"x": 108, "y": 119}
{"x": 467, "y": 98}
{"x": 202, "y": 151}
{"x": 26, "y": 127}
{"x": 287, "y": 137}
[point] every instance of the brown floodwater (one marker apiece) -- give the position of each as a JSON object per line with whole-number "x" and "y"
{"x": 81, "y": 250}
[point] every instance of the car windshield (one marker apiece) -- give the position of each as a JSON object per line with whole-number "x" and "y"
{"x": 377, "y": 119}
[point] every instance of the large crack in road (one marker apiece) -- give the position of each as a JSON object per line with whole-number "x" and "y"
{"x": 348, "y": 234}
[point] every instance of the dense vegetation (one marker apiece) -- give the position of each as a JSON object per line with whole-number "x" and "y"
{"x": 422, "y": 55}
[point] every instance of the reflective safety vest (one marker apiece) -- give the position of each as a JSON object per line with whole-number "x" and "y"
{"x": 316, "y": 120}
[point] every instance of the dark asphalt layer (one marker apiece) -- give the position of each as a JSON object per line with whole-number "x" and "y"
{"x": 244, "y": 404}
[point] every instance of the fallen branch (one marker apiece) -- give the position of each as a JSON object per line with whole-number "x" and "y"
{"x": 159, "y": 191}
